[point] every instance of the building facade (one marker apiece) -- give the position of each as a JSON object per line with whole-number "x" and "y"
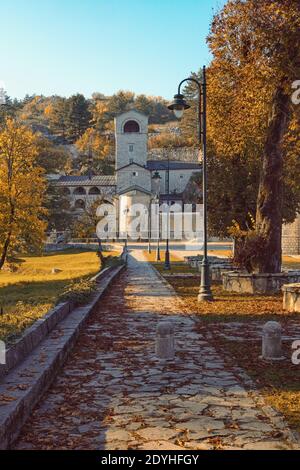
{"x": 133, "y": 183}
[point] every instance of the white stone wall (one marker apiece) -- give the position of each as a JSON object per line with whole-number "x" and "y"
{"x": 131, "y": 147}
{"x": 178, "y": 180}
{"x": 107, "y": 191}
{"x": 133, "y": 175}
{"x": 133, "y": 205}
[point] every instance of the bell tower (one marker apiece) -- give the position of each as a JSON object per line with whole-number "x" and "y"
{"x": 131, "y": 131}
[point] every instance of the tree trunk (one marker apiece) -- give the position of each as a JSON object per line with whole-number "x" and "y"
{"x": 4, "y": 251}
{"x": 269, "y": 201}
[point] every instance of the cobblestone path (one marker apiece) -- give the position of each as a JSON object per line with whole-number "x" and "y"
{"x": 114, "y": 394}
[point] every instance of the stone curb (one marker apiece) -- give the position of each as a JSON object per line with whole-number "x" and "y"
{"x": 33, "y": 336}
{"x": 24, "y": 386}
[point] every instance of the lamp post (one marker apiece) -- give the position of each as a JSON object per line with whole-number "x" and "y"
{"x": 156, "y": 178}
{"x": 149, "y": 228}
{"x": 167, "y": 253}
{"x": 125, "y": 248}
{"x": 179, "y": 105}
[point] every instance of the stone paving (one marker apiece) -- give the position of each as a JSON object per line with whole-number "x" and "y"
{"x": 252, "y": 330}
{"x": 113, "y": 393}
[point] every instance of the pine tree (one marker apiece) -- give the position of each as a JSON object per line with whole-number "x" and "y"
{"x": 78, "y": 117}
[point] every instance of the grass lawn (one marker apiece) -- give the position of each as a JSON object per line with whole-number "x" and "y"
{"x": 279, "y": 383}
{"x": 229, "y": 306}
{"x": 152, "y": 256}
{"x": 28, "y": 293}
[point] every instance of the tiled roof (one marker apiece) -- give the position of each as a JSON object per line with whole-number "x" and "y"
{"x": 99, "y": 180}
{"x": 163, "y": 165}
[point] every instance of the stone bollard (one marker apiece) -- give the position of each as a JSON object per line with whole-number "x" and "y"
{"x": 165, "y": 345}
{"x": 271, "y": 341}
{"x": 2, "y": 353}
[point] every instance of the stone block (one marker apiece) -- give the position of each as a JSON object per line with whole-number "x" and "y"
{"x": 258, "y": 283}
{"x": 165, "y": 348}
{"x": 272, "y": 341}
{"x": 291, "y": 297}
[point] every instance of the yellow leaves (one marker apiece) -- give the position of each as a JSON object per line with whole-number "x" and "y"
{"x": 4, "y": 399}
{"x": 241, "y": 85}
{"x": 22, "y": 186}
{"x": 94, "y": 142}
{"x": 48, "y": 111}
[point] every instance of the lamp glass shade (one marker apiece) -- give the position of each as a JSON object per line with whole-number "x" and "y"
{"x": 156, "y": 177}
{"x": 178, "y": 112}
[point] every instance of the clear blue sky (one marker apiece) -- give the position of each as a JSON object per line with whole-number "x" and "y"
{"x": 69, "y": 46}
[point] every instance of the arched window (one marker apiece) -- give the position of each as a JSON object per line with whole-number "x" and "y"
{"x": 131, "y": 126}
{"x": 66, "y": 192}
{"x": 79, "y": 204}
{"x": 94, "y": 191}
{"x": 79, "y": 190}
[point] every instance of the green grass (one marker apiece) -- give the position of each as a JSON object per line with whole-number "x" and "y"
{"x": 28, "y": 293}
{"x": 278, "y": 382}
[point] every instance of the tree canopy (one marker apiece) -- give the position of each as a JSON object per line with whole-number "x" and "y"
{"x": 22, "y": 189}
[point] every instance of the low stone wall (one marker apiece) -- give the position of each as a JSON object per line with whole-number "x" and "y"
{"x": 34, "y": 335}
{"x": 217, "y": 266}
{"x": 182, "y": 154}
{"x": 217, "y": 271}
{"x": 291, "y": 297}
{"x": 39, "y": 372}
{"x": 194, "y": 261}
{"x": 51, "y": 247}
{"x": 245, "y": 283}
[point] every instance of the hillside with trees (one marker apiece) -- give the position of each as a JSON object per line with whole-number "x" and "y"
{"x": 86, "y": 124}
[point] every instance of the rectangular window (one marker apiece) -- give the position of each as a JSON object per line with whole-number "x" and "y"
{"x": 131, "y": 147}
{"x": 135, "y": 173}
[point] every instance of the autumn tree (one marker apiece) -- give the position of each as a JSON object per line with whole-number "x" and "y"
{"x": 22, "y": 189}
{"x": 59, "y": 217}
{"x": 189, "y": 123}
{"x": 86, "y": 223}
{"x": 96, "y": 151}
{"x": 256, "y": 59}
{"x": 8, "y": 108}
{"x": 51, "y": 157}
{"x": 56, "y": 113}
{"x": 120, "y": 102}
{"x": 167, "y": 139}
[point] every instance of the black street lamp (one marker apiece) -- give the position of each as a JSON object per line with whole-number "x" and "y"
{"x": 179, "y": 105}
{"x": 149, "y": 229}
{"x": 167, "y": 265}
{"x": 156, "y": 178}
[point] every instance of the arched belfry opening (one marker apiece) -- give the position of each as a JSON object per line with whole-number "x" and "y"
{"x": 131, "y": 127}
{"x": 131, "y": 139}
